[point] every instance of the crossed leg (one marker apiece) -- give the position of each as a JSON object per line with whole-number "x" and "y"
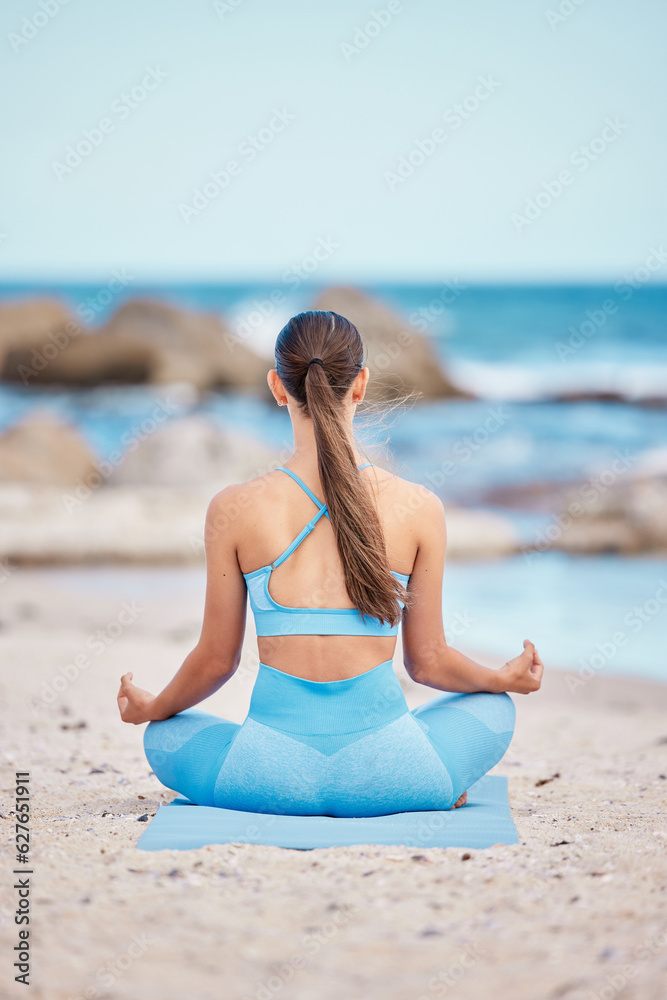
{"x": 469, "y": 732}
{"x": 187, "y": 751}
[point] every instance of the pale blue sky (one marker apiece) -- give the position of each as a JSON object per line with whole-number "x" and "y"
{"x": 324, "y": 175}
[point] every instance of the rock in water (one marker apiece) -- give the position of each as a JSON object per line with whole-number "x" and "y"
{"x": 479, "y": 534}
{"x": 192, "y": 452}
{"x": 44, "y": 450}
{"x": 190, "y": 347}
{"x": 144, "y": 341}
{"x": 628, "y": 517}
{"x": 400, "y": 358}
{"x": 26, "y": 330}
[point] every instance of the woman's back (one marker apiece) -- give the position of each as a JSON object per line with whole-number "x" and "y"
{"x": 271, "y": 512}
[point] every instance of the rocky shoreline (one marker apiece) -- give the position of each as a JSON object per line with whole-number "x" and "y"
{"x": 150, "y": 342}
{"x": 146, "y": 502}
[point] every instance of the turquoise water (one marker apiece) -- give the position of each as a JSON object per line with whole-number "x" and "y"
{"x": 605, "y": 614}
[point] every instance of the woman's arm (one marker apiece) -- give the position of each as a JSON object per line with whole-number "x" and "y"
{"x": 428, "y": 658}
{"x": 217, "y": 654}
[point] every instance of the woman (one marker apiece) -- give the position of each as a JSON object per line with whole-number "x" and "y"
{"x": 328, "y": 731}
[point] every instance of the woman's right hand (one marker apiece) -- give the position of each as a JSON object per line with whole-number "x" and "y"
{"x": 523, "y": 674}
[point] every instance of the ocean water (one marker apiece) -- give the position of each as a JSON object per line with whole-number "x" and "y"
{"x": 592, "y": 616}
{"x": 516, "y": 347}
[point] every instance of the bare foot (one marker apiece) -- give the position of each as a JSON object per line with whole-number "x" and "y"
{"x": 461, "y": 801}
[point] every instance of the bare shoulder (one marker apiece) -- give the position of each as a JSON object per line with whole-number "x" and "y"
{"x": 232, "y": 504}
{"x": 403, "y": 498}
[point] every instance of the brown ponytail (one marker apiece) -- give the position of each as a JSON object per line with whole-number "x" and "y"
{"x": 319, "y": 390}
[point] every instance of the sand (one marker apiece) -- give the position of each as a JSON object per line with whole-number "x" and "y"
{"x": 576, "y": 910}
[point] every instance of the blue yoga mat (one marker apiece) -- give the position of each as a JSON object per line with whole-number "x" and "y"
{"x": 485, "y": 820}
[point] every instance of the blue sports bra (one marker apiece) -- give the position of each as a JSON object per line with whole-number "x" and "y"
{"x": 272, "y": 618}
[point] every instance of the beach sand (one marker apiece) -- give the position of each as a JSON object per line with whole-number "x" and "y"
{"x": 576, "y": 910}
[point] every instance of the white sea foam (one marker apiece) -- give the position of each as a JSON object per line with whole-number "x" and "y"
{"x": 523, "y": 383}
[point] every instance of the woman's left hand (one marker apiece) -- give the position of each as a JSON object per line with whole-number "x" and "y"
{"x": 134, "y": 704}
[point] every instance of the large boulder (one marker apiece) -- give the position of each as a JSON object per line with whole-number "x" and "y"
{"x": 25, "y": 327}
{"x": 142, "y": 525}
{"x": 400, "y": 358}
{"x": 192, "y": 452}
{"x": 479, "y": 534}
{"x": 629, "y": 517}
{"x": 622, "y": 512}
{"x": 85, "y": 361}
{"x": 43, "y": 450}
{"x": 42, "y": 342}
{"x": 144, "y": 341}
{"x": 191, "y": 347}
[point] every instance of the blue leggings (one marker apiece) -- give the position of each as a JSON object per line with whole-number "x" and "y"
{"x": 333, "y": 748}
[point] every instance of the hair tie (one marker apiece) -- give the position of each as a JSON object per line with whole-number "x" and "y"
{"x": 316, "y": 361}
